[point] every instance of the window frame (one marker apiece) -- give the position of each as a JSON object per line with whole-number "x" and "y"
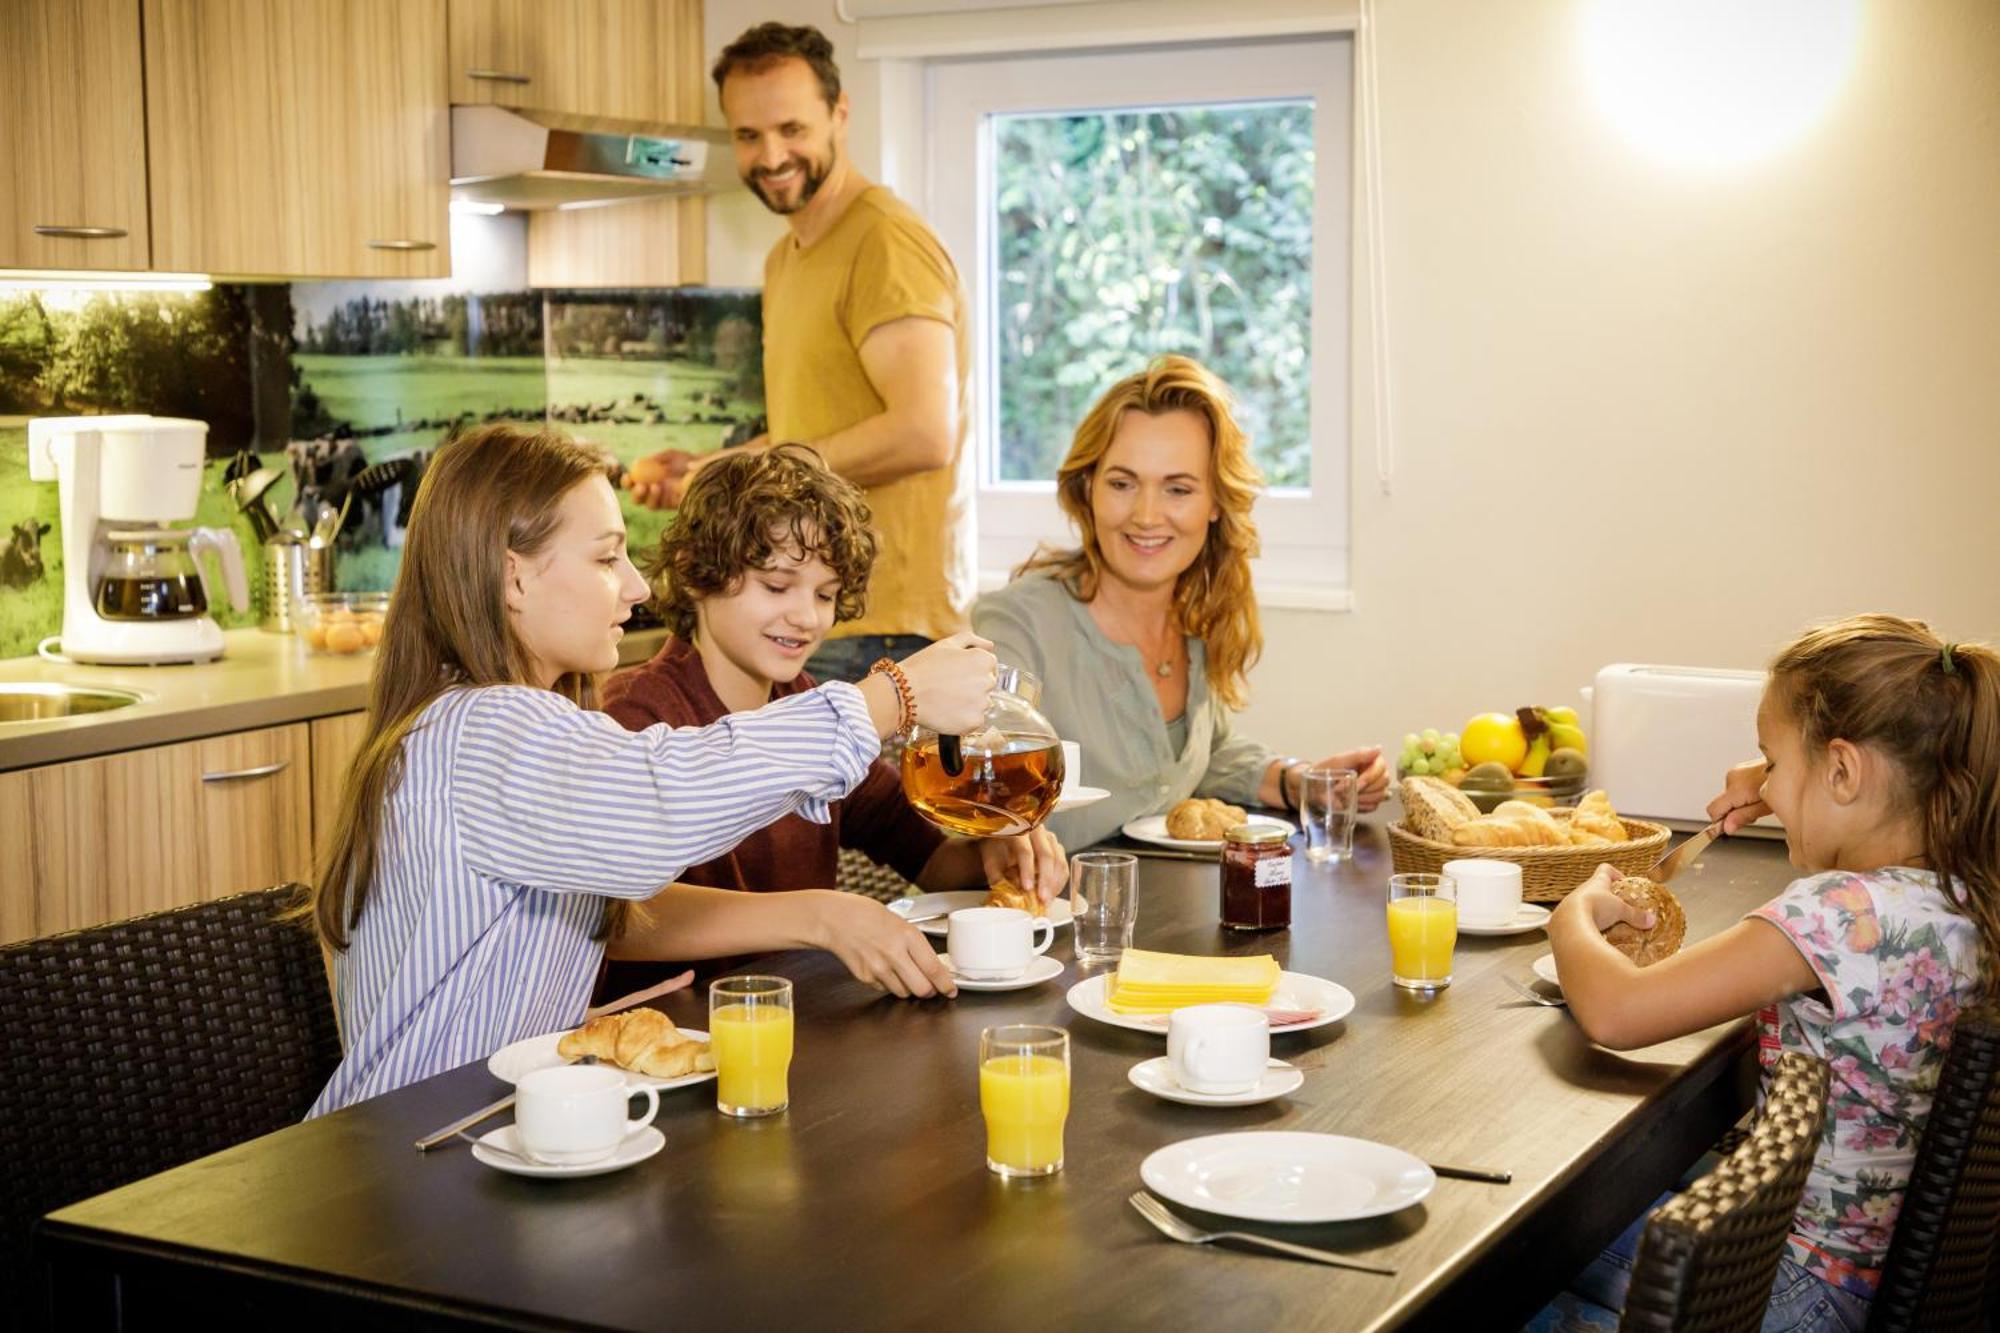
{"x": 1306, "y": 537}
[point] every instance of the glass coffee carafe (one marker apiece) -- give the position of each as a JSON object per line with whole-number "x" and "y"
{"x": 995, "y": 782}
{"x": 151, "y": 574}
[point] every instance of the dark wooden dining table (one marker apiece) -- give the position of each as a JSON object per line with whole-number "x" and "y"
{"x": 868, "y": 1203}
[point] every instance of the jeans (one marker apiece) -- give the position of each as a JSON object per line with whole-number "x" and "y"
{"x": 1800, "y": 1302}
{"x": 849, "y": 659}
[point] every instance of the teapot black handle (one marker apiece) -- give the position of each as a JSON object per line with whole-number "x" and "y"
{"x": 950, "y": 756}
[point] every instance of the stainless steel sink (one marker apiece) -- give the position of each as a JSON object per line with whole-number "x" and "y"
{"x": 37, "y": 702}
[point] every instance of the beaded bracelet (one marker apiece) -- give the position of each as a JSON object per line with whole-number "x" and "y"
{"x": 906, "y": 698}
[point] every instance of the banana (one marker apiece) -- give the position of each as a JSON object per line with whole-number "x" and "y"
{"x": 1567, "y": 735}
{"x": 1537, "y": 759}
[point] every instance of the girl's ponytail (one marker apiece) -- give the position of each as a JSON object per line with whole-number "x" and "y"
{"x": 1962, "y": 815}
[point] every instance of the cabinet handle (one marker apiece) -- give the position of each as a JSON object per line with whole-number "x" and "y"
{"x": 245, "y": 774}
{"x": 497, "y": 76}
{"x": 81, "y": 233}
{"x": 402, "y": 245}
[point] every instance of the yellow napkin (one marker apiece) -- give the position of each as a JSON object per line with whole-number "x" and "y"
{"x": 1157, "y": 983}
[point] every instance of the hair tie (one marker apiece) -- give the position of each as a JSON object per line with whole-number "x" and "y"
{"x": 1944, "y": 654}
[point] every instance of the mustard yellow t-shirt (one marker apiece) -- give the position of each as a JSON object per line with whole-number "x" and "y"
{"x": 878, "y": 263}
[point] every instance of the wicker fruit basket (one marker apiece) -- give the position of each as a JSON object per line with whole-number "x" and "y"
{"x": 1547, "y": 873}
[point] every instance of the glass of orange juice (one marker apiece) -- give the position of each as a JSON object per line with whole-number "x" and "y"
{"x": 1024, "y": 1095}
{"x": 750, "y": 1034}
{"x": 1423, "y": 928}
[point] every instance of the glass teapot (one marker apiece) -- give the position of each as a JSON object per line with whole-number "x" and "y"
{"x": 995, "y": 782}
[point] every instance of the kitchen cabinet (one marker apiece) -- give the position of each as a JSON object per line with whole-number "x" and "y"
{"x": 73, "y": 151}
{"x": 103, "y": 839}
{"x": 647, "y": 243}
{"x": 298, "y": 138}
{"x": 629, "y": 59}
{"x": 334, "y": 743}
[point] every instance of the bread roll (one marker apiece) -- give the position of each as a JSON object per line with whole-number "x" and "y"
{"x": 1646, "y": 947}
{"x": 1433, "y": 808}
{"x": 1203, "y": 819}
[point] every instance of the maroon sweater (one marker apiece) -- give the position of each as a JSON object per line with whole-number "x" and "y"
{"x": 793, "y": 853}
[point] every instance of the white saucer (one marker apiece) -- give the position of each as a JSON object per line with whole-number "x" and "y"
{"x": 1078, "y": 797}
{"x": 1153, "y": 829}
{"x": 630, "y": 1153}
{"x": 1531, "y": 916}
{"x": 1157, "y": 1077}
{"x": 925, "y": 904}
{"x": 1043, "y": 968}
{"x": 1287, "y": 1176}
{"x": 1545, "y": 968}
{"x": 1329, "y": 1001}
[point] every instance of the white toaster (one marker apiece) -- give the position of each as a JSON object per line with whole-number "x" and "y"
{"x": 1662, "y": 737}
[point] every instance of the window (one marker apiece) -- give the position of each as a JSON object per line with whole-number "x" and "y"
{"x": 1107, "y": 208}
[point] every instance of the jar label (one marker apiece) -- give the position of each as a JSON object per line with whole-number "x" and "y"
{"x": 1274, "y": 870}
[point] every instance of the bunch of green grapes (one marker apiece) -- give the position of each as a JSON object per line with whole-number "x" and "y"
{"x": 1430, "y": 752}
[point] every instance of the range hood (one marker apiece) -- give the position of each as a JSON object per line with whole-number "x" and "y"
{"x": 534, "y": 159}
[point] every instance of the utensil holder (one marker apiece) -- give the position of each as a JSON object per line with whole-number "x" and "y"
{"x": 293, "y": 571}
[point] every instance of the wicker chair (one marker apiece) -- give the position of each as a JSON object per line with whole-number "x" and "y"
{"x": 858, "y": 874}
{"x": 140, "y": 1045}
{"x": 1944, "y": 1261}
{"x": 1708, "y": 1257}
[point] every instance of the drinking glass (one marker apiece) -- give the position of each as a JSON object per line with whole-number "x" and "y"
{"x": 1024, "y": 1095}
{"x": 1104, "y": 897}
{"x": 1327, "y": 798}
{"x": 750, "y": 1034}
{"x": 1423, "y": 928}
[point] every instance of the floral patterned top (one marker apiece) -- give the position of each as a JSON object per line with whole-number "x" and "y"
{"x": 1896, "y": 962}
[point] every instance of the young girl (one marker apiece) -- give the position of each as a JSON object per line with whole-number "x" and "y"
{"x": 767, "y": 552}
{"x": 1881, "y": 751}
{"x": 494, "y": 828}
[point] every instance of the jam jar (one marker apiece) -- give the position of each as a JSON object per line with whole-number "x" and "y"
{"x": 1257, "y": 877}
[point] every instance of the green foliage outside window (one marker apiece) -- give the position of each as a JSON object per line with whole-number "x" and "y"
{"x": 1122, "y": 235}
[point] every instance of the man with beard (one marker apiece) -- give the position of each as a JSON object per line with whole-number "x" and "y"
{"x": 865, "y": 344}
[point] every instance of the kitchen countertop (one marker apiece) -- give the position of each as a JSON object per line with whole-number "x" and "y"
{"x": 261, "y": 680}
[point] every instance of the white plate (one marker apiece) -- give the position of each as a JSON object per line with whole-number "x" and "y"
{"x": 1287, "y": 1176}
{"x": 1043, "y": 968}
{"x": 1531, "y": 916}
{"x": 630, "y": 1153}
{"x": 510, "y": 1062}
{"x": 1153, "y": 828}
{"x": 1078, "y": 797}
{"x": 926, "y": 903}
{"x": 1157, "y": 1077}
{"x": 1545, "y": 968}
{"x": 1296, "y": 990}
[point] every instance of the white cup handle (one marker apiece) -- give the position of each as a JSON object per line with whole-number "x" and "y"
{"x": 652, "y": 1096}
{"x": 1045, "y": 924}
{"x": 1191, "y": 1051}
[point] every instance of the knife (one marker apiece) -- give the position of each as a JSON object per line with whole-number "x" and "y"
{"x": 1676, "y": 861}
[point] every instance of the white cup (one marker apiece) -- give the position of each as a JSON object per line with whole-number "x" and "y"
{"x": 993, "y": 943}
{"x": 1218, "y": 1048}
{"x": 573, "y": 1115}
{"x": 1489, "y": 892}
{"x": 1072, "y": 767}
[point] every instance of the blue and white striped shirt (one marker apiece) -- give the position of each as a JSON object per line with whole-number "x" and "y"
{"x": 515, "y": 815}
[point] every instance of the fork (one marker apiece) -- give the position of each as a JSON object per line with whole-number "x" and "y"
{"x": 1533, "y": 996}
{"x": 1177, "y": 1228}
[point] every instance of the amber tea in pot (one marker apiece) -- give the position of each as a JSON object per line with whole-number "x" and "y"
{"x": 1004, "y": 779}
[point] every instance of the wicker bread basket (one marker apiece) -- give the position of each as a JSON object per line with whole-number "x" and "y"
{"x": 1547, "y": 873}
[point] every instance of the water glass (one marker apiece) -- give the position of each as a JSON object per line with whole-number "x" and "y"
{"x": 1423, "y": 929}
{"x": 1024, "y": 1096}
{"x": 750, "y": 1035}
{"x": 1327, "y": 798}
{"x": 1104, "y": 897}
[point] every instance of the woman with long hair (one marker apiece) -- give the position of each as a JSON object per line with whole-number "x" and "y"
{"x": 1144, "y": 633}
{"x": 495, "y": 830}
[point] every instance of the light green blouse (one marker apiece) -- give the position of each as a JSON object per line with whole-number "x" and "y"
{"x": 1100, "y": 695}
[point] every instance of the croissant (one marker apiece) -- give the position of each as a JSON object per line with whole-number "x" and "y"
{"x": 1006, "y": 893}
{"x": 1593, "y": 814}
{"x": 1433, "y": 808}
{"x": 645, "y": 1041}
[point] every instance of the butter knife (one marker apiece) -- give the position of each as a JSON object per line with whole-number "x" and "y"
{"x": 1677, "y": 860}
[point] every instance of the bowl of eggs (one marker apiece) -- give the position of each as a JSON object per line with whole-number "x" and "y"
{"x": 344, "y": 623}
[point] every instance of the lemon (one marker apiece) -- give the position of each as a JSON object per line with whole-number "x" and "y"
{"x": 1494, "y": 738}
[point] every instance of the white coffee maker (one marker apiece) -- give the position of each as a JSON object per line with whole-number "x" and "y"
{"x": 132, "y": 582}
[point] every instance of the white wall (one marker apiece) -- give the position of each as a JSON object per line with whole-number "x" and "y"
{"x": 1642, "y": 413}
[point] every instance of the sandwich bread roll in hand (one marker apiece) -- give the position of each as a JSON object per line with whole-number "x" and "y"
{"x": 1646, "y": 947}
{"x": 644, "y": 1041}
